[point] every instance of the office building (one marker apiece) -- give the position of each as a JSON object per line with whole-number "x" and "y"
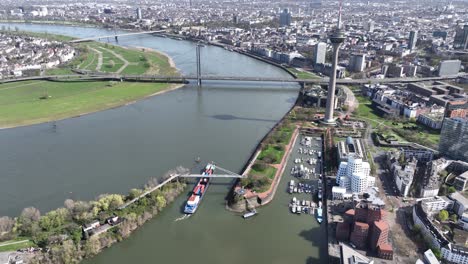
{"x": 413, "y": 39}
{"x": 449, "y": 67}
{"x": 354, "y": 175}
{"x": 320, "y": 53}
{"x": 454, "y": 138}
{"x": 357, "y": 63}
{"x": 461, "y": 182}
{"x": 285, "y": 18}
{"x": 138, "y": 13}
{"x": 461, "y": 38}
{"x": 350, "y": 147}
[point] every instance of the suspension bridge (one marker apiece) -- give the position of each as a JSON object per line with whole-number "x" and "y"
{"x": 116, "y": 36}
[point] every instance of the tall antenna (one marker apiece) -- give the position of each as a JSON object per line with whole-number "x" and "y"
{"x": 339, "y": 14}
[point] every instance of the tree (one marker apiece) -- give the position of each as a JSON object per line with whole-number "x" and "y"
{"x": 6, "y": 225}
{"x": 443, "y": 215}
{"x": 134, "y": 193}
{"x": 54, "y": 219}
{"x": 160, "y": 202}
{"x": 454, "y": 218}
{"x": 28, "y": 221}
{"x": 452, "y": 189}
{"x": 92, "y": 246}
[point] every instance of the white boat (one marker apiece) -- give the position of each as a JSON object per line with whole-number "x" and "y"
{"x": 320, "y": 204}
{"x": 293, "y": 208}
{"x": 303, "y": 203}
{"x": 294, "y": 199}
{"x": 299, "y": 209}
{"x": 250, "y": 214}
{"x": 295, "y": 189}
{"x": 291, "y": 189}
{"x": 291, "y": 183}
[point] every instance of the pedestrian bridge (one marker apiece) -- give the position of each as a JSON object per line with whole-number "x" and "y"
{"x": 174, "y": 176}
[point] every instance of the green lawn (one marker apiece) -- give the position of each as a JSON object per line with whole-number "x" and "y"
{"x": 268, "y": 173}
{"x": 303, "y": 74}
{"x": 421, "y": 134}
{"x": 17, "y": 246}
{"x": 20, "y": 102}
{"x": 272, "y": 151}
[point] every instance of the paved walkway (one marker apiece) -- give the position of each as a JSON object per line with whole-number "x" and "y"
{"x": 99, "y": 64}
{"x": 13, "y": 243}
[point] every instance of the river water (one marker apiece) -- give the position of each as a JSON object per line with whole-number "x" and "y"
{"x": 117, "y": 149}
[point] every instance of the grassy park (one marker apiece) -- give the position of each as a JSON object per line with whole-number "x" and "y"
{"x": 303, "y": 74}
{"x": 402, "y": 130}
{"x": 32, "y": 102}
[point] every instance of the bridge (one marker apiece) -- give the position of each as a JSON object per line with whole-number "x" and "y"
{"x": 116, "y": 36}
{"x": 229, "y": 174}
{"x": 186, "y": 78}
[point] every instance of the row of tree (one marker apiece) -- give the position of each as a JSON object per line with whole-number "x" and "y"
{"x": 59, "y": 232}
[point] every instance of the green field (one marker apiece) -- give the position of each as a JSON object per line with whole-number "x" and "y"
{"x": 21, "y": 103}
{"x": 396, "y": 128}
{"x": 16, "y": 246}
{"x": 303, "y": 74}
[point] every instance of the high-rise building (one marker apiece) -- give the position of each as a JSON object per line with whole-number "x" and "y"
{"x": 235, "y": 19}
{"x": 413, "y": 39}
{"x": 138, "y": 13}
{"x": 285, "y": 18}
{"x": 357, "y": 62}
{"x": 461, "y": 38}
{"x": 320, "y": 52}
{"x": 454, "y": 138}
{"x": 369, "y": 26}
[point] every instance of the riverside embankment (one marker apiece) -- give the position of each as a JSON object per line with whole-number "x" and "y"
{"x": 114, "y": 150}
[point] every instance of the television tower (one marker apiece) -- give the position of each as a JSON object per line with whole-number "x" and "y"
{"x": 337, "y": 37}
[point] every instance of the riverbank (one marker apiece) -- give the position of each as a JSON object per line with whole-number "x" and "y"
{"x": 81, "y": 229}
{"x": 33, "y": 102}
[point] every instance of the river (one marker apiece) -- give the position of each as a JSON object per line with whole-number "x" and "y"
{"x": 117, "y": 149}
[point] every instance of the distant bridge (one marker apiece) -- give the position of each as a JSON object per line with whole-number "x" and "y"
{"x": 186, "y": 78}
{"x": 116, "y": 36}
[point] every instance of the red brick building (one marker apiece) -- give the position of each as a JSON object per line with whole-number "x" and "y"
{"x": 359, "y": 235}
{"x": 342, "y": 231}
{"x": 385, "y": 251}
{"x": 379, "y": 234}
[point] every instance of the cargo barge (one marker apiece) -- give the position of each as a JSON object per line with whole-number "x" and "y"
{"x": 199, "y": 190}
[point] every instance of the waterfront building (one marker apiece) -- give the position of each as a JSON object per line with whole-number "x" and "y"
{"x": 454, "y": 138}
{"x": 449, "y": 67}
{"x": 350, "y": 147}
{"x": 413, "y": 39}
{"x": 320, "y": 52}
{"x": 285, "y": 18}
{"x": 354, "y": 175}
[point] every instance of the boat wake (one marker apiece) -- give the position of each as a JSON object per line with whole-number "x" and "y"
{"x": 186, "y": 216}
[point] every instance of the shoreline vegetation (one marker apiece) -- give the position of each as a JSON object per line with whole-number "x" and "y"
{"x": 65, "y": 235}
{"x": 267, "y": 164}
{"x": 32, "y": 102}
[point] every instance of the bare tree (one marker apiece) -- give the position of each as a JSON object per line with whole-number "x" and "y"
{"x": 31, "y": 213}
{"x": 6, "y": 224}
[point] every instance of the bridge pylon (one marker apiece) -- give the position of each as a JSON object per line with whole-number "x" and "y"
{"x": 198, "y": 56}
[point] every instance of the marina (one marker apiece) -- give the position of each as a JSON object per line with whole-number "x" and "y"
{"x": 305, "y": 171}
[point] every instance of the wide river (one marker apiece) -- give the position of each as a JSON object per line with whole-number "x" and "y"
{"x": 117, "y": 149}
